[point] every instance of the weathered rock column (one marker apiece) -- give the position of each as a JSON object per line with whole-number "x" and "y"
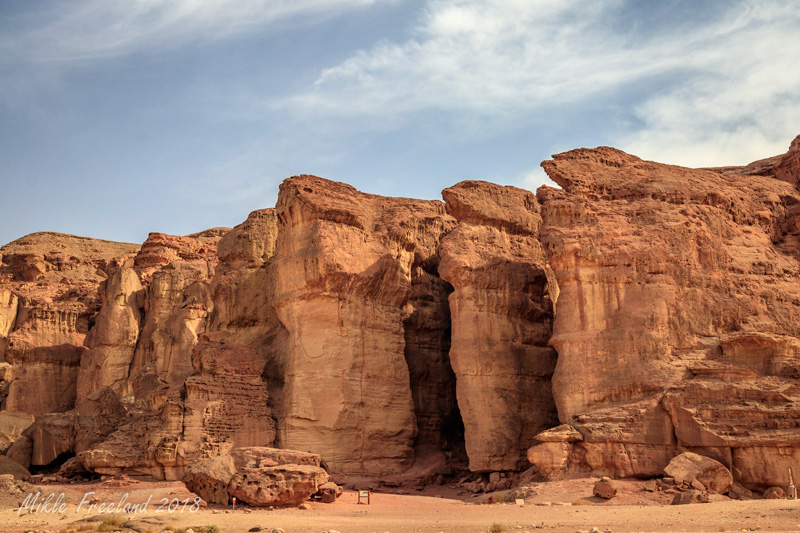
{"x": 112, "y": 340}
{"x": 343, "y": 277}
{"x": 502, "y": 315}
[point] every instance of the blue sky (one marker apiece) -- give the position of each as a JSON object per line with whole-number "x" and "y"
{"x": 118, "y": 118}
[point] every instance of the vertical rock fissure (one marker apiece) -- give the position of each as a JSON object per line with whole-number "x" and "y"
{"x": 427, "y": 332}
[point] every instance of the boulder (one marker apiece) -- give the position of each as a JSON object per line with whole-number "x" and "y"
{"x": 775, "y": 493}
{"x": 9, "y": 466}
{"x": 604, "y": 488}
{"x": 329, "y": 492}
{"x": 12, "y": 425}
{"x": 21, "y": 451}
{"x": 690, "y": 496}
{"x": 258, "y": 476}
{"x": 72, "y": 468}
{"x": 550, "y": 458}
{"x": 284, "y": 485}
{"x": 690, "y": 467}
{"x": 209, "y": 478}
{"x": 53, "y": 434}
{"x": 255, "y": 457}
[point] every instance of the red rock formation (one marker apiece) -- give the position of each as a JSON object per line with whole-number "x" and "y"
{"x": 258, "y": 476}
{"x": 113, "y": 338}
{"x": 677, "y": 319}
{"x": 395, "y": 336}
{"x": 53, "y": 279}
{"x": 502, "y": 312}
{"x": 343, "y": 269}
{"x": 177, "y": 271}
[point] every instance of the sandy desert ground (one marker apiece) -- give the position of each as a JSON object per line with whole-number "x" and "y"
{"x": 565, "y": 506}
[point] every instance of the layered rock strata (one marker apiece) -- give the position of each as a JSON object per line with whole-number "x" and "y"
{"x": 48, "y": 303}
{"x": 649, "y": 309}
{"x": 677, "y": 319}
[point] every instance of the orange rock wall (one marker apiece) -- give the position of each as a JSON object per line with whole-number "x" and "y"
{"x": 650, "y": 309}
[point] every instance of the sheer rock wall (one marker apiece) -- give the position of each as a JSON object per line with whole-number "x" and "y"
{"x": 650, "y": 309}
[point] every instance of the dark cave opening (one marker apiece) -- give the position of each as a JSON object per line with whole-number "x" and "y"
{"x": 432, "y": 380}
{"x": 53, "y": 466}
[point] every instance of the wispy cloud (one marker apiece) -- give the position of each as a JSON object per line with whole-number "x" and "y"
{"x": 87, "y": 29}
{"x": 743, "y": 106}
{"x": 699, "y": 92}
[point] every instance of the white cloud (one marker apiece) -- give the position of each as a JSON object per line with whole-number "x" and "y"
{"x": 744, "y": 106}
{"x": 702, "y": 92}
{"x": 101, "y": 28}
{"x": 533, "y": 179}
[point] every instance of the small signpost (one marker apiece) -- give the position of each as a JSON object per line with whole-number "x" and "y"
{"x": 791, "y": 490}
{"x": 365, "y": 495}
{"x": 234, "y": 503}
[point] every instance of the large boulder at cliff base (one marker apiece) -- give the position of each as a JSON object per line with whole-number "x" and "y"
{"x": 690, "y": 467}
{"x": 209, "y": 478}
{"x": 260, "y": 477}
{"x": 283, "y": 485}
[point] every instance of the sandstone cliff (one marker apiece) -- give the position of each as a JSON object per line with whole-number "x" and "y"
{"x": 677, "y": 319}
{"x": 648, "y": 309}
{"x": 502, "y": 313}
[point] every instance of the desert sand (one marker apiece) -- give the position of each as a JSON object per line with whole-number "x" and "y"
{"x": 564, "y": 506}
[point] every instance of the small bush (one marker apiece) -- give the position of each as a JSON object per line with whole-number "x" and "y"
{"x": 497, "y": 528}
{"x": 207, "y": 529}
{"x": 110, "y": 523}
{"x": 499, "y": 497}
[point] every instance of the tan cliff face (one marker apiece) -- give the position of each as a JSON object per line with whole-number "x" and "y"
{"x": 649, "y": 309}
{"x": 502, "y": 312}
{"x": 343, "y": 269}
{"x": 52, "y": 280}
{"x": 677, "y": 319}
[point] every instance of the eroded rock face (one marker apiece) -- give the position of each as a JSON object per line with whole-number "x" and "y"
{"x": 177, "y": 304}
{"x": 677, "y": 319}
{"x": 9, "y": 303}
{"x": 502, "y": 312}
{"x": 228, "y": 400}
{"x": 113, "y": 338}
{"x": 98, "y": 415}
{"x": 343, "y": 268}
{"x": 653, "y": 309}
{"x": 48, "y": 301}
